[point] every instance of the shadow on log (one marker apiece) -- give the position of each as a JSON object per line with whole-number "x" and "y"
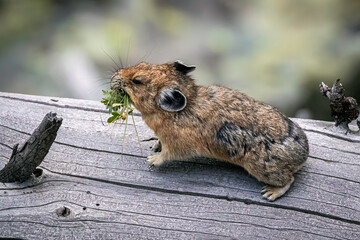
{"x": 23, "y": 161}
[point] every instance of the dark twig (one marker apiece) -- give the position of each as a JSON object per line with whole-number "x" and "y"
{"x": 343, "y": 109}
{"x": 24, "y": 160}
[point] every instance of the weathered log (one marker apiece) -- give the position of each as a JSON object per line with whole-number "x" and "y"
{"x": 91, "y": 189}
{"x": 24, "y": 160}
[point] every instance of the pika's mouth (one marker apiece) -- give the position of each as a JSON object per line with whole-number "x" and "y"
{"x": 117, "y": 83}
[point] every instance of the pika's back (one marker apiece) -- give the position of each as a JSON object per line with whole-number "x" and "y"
{"x": 227, "y": 105}
{"x": 240, "y": 124}
{"x": 250, "y": 114}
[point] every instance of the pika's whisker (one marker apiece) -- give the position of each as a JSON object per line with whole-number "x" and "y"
{"x": 117, "y": 67}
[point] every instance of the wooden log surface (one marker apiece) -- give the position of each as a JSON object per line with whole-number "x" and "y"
{"x": 94, "y": 187}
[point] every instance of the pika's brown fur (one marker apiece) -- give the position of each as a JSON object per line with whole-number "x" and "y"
{"x": 214, "y": 122}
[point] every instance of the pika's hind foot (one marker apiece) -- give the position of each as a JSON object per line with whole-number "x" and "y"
{"x": 156, "y": 160}
{"x": 271, "y": 193}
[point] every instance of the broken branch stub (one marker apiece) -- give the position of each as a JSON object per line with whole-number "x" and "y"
{"x": 343, "y": 109}
{"x": 24, "y": 160}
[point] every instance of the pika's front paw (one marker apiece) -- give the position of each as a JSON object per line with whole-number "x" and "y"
{"x": 156, "y": 147}
{"x": 155, "y": 160}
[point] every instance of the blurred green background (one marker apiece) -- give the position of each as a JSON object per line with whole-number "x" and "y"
{"x": 276, "y": 51}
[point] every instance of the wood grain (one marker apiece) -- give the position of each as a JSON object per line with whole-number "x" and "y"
{"x": 197, "y": 199}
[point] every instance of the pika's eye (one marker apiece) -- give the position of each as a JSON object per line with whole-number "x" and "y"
{"x": 136, "y": 81}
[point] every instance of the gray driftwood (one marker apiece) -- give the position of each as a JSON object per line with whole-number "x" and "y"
{"x": 92, "y": 189}
{"x": 23, "y": 161}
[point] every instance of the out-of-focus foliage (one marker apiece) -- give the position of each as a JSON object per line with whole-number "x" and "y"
{"x": 276, "y": 51}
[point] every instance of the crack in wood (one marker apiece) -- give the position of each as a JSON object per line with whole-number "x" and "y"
{"x": 35, "y": 206}
{"x": 272, "y": 228}
{"x": 40, "y": 223}
{"x": 335, "y": 193}
{"x": 326, "y": 175}
{"x": 55, "y": 105}
{"x": 148, "y": 226}
{"x": 74, "y": 146}
{"x": 100, "y": 150}
{"x": 220, "y": 197}
{"x": 37, "y": 184}
{"x": 5, "y": 145}
{"x": 16, "y": 130}
{"x": 332, "y": 161}
{"x": 338, "y": 150}
{"x": 62, "y": 106}
{"x": 237, "y": 222}
{"x": 321, "y": 202}
{"x": 332, "y": 135}
{"x": 98, "y": 167}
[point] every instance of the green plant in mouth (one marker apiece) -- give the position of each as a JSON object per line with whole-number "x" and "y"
{"x": 118, "y": 103}
{"x": 120, "y": 107}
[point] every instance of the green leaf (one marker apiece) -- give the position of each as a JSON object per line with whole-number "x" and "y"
{"x": 115, "y": 114}
{"x": 112, "y": 119}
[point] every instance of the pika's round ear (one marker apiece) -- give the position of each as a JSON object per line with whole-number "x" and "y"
{"x": 172, "y": 100}
{"x": 183, "y": 68}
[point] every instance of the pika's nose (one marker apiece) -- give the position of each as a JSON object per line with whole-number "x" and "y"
{"x": 115, "y": 82}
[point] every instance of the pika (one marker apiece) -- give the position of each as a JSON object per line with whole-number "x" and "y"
{"x": 214, "y": 122}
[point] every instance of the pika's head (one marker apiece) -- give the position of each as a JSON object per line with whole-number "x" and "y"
{"x": 152, "y": 88}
